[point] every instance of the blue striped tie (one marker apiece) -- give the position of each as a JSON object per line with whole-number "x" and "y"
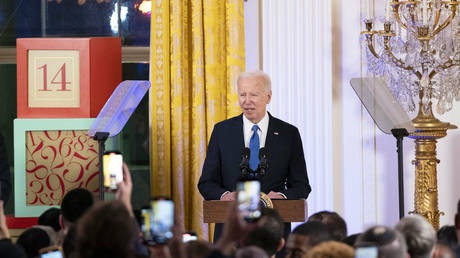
{"x": 254, "y": 146}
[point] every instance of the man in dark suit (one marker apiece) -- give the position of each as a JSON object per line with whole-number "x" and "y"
{"x": 286, "y": 176}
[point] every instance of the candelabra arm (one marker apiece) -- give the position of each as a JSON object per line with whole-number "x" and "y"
{"x": 400, "y": 63}
{"x": 447, "y": 22}
{"x": 413, "y": 22}
{"x": 398, "y": 19}
{"x": 436, "y": 20}
{"x": 446, "y": 65}
{"x": 369, "y": 33}
{"x": 372, "y": 49}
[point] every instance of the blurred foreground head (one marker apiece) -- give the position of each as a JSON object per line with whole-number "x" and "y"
{"x": 419, "y": 234}
{"x": 106, "y": 230}
{"x": 331, "y": 249}
{"x": 305, "y": 237}
{"x": 390, "y": 243}
{"x": 332, "y": 219}
{"x": 268, "y": 236}
{"x": 74, "y": 204}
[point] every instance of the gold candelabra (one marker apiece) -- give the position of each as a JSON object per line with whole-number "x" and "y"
{"x": 420, "y": 58}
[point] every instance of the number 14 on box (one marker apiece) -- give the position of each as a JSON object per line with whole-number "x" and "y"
{"x": 54, "y": 78}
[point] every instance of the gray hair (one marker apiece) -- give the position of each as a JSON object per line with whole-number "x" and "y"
{"x": 419, "y": 234}
{"x": 250, "y": 74}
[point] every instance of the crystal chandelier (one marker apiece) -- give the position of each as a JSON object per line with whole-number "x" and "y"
{"x": 418, "y": 52}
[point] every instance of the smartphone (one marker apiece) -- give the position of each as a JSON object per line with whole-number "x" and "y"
{"x": 189, "y": 236}
{"x": 249, "y": 199}
{"x": 161, "y": 221}
{"x": 51, "y": 252}
{"x": 113, "y": 169}
{"x": 366, "y": 252}
{"x": 145, "y": 225}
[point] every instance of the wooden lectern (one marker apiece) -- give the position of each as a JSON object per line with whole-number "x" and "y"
{"x": 290, "y": 210}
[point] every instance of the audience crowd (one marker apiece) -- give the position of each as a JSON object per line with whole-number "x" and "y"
{"x": 85, "y": 228}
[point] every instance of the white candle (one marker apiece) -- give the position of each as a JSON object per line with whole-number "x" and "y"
{"x": 388, "y": 9}
{"x": 368, "y": 13}
{"x": 425, "y": 12}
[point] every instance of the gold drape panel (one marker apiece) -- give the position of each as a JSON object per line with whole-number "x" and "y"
{"x": 197, "y": 52}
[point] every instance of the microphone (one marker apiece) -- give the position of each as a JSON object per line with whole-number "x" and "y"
{"x": 263, "y": 164}
{"x": 244, "y": 164}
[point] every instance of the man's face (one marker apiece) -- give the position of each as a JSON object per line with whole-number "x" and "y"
{"x": 253, "y": 98}
{"x": 297, "y": 245}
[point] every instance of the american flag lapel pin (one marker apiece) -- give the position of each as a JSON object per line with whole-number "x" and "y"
{"x": 275, "y": 133}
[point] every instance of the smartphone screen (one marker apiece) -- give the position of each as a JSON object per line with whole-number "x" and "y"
{"x": 189, "y": 236}
{"x": 366, "y": 252}
{"x": 161, "y": 220}
{"x": 145, "y": 226}
{"x": 52, "y": 254}
{"x": 113, "y": 169}
{"x": 249, "y": 199}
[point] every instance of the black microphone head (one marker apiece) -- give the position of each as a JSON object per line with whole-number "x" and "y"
{"x": 245, "y": 153}
{"x": 245, "y": 171}
{"x": 262, "y": 153}
{"x": 263, "y": 165}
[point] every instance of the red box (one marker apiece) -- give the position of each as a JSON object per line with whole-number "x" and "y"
{"x": 19, "y": 223}
{"x": 66, "y": 77}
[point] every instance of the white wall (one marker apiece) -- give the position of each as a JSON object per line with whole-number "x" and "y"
{"x": 311, "y": 49}
{"x": 252, "y": 42}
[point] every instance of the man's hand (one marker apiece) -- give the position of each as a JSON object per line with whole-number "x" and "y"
{"x": 175, "y": 244}
{"x": 125, "y": 189}
{"x": 231, "y": 196}
{"x": 274, "y": 195}
{"x": 4, "y": 232}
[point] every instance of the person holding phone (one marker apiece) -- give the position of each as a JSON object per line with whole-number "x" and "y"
{"x": 286, "y": 175}
{"x": 109, "y": 229}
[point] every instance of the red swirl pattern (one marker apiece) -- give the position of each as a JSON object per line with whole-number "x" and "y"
{"x": 57, "y": 162}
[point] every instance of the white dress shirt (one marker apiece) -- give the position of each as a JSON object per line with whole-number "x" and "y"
{"x": 263, "y": 128}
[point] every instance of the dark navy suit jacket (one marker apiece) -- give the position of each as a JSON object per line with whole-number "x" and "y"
{"x": 286, "y": 173}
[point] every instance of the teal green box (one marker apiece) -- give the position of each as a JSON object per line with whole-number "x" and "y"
{"x": 21, "y": 127}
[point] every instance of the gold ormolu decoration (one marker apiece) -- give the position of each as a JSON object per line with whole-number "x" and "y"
{"x": 429, "y": 129}
{"x": 266, "y": 201}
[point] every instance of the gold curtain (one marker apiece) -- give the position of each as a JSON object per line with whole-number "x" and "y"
{"x": 197, "y": 52}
